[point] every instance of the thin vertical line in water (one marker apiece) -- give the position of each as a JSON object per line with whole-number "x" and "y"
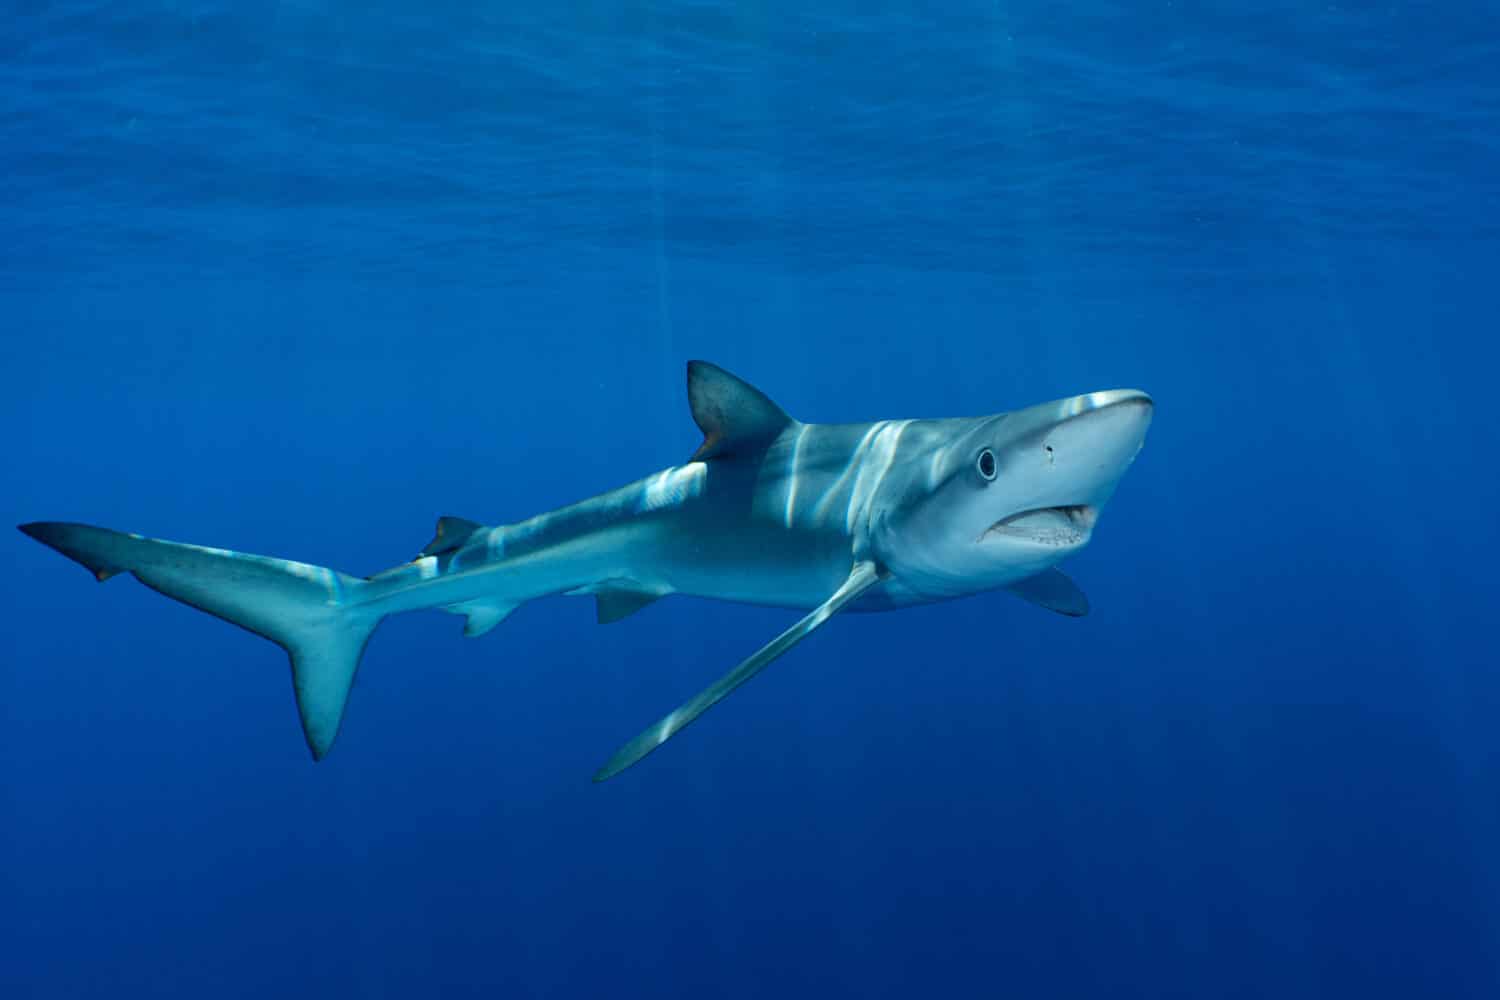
{"x": 1376, "y": 409}
{"x": 665, "y": 348}
{"x": 1032, "y": 260}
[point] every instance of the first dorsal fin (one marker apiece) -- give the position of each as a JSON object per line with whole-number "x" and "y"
{"x": 451, "y": 534}
{"x": 735, "y": 417}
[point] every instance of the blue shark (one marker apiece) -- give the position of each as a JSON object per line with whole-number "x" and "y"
{"x": 769, "y": 511}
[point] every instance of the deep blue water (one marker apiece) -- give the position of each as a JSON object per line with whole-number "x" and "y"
{"x": 296, "y": 280}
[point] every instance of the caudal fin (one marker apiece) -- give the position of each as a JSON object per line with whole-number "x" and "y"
{"x": 315, "y": 614}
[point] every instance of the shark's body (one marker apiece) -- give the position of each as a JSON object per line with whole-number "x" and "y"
{"x": 768, "y": 511}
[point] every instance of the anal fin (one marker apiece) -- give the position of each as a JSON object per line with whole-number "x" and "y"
{"x": 481, "y": 615}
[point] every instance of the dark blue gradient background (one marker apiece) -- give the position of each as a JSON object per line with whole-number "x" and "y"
{"x": 297, "y": 280}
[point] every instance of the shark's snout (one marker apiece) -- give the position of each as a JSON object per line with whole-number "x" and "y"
{"x": 1096, "y": 438}
{"x": 1113, "y": 411}
{"x": 1063, "y": 465}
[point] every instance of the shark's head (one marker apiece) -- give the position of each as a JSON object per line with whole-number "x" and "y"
{"x": 987, "y": 501}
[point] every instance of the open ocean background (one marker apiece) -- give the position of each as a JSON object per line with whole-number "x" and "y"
{"x": 296, "y": 278}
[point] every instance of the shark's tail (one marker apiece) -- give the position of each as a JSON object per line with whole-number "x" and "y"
{"x": 317, "y": 615}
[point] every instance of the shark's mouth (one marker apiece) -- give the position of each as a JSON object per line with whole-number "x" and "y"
{"x": 1055, "y": 526}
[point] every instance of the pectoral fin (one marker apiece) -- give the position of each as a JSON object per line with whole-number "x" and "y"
{"x": 864, "y": 576}
{"x": 612, "y": 605}
{"x": 1053, "y": 591}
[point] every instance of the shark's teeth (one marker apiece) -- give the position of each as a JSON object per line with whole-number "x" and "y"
{"x": 1056, "y": 526}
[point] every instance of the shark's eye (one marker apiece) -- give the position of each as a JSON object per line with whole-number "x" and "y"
{"x": 985, "y": 463}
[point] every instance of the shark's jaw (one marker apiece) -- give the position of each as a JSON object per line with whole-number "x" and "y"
{"x": 1067, "y": 527}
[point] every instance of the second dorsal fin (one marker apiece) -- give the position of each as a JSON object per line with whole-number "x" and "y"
{"x": 451, "y": 534}
{"x": 734, "y": 416}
